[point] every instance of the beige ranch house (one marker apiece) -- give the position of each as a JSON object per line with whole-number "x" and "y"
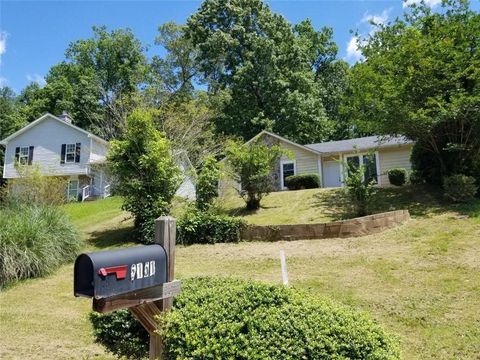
{"x": 378, "y": 154}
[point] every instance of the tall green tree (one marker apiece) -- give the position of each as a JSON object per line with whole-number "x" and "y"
{"x": 147, "y": 174}
{"x": 421, "y": 79}
{"x": 264, "y": 68}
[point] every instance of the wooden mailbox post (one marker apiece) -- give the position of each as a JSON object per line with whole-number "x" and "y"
{"x": 147, "y": 303}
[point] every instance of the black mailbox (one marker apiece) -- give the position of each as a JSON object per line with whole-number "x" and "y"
{"x": 108, "y": 273}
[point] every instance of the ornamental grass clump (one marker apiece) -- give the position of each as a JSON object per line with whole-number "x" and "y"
{"x": 35, "y": 240}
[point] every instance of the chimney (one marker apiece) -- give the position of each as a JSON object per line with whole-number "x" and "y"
{"x": 65, "y": 117}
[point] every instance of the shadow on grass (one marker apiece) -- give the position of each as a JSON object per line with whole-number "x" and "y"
{"x": 419, "y": 200}
{"x": 112, "y": 237}
{"x": 243, "y": 211}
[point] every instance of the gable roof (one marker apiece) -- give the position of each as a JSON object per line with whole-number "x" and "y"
{"x": 265, "y": 132}
{"x": 363, "y": 143}
{"x": 46, "y": 116}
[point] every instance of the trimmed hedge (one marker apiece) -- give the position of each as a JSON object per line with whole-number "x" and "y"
{"x": 304, "y": 181}
{"x": 460, "y": 188}
{"x": 218, "y": 318}
{"x": 207, "y": 227}
{"x": 397, "y": 177}
{"x": 34, "y": 241}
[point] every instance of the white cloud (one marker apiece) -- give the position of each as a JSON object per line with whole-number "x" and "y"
{"x": 376, "y": 18}
{"x": 430, "y": 3}
{"x": 39, "y": 79}
{"x": 353, "y": 53}
{"x": 3, "y": 44}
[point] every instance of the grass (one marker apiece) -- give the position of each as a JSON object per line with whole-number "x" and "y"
{"x": 420, "y": 281}
{"x": 326, "y": 205}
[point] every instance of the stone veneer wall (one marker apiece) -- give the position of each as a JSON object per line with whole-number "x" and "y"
{"x": 339, "y": 229}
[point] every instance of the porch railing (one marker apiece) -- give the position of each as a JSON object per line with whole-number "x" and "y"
{"x": 86, "y": 192}
{"x": 106, "y": 191}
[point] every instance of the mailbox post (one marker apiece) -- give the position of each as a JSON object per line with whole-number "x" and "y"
{"x": 140, "y": 279}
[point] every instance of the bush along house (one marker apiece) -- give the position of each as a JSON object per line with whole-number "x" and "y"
{"x": 60, "y": 148}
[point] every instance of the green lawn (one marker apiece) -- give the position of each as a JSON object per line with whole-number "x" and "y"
{"x": 420, "y": 281}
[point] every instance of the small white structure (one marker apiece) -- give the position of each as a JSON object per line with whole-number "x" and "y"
{"x": 60, "y": 149}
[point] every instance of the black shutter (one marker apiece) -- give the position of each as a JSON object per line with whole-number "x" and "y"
{"x": 62, "y": 158}
{"x": 77, "y": 152}
{"x": 17, "y": 153}
{"x": 30, "y": 155}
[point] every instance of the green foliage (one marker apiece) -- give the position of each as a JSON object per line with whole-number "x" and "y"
{"x": 460, "y": 188}
{"x": 206, "y": 227}
{"x": 415, "y": 178}
{"x": 34, "y": 240}
{"x": 121, "y": 334}
{"x": 266, "y": 67}
{"x": 207, "y": 183}
{"x": 397, "y": 177}
{"x": 147, "y": 174}
{"x": 304, "y": 181}
{"x": 420, "y": 79}
{"x": 359, "y": 191}
{"x": 252, "y": 167}
{"x": 234, "y": 319}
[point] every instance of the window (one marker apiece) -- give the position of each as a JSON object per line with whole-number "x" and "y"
{"x": 72, "y": 192}
{"x": 70, "y": 151}
{"x": 23, "y": 155}
{"x": 288, "y": 169}
{"x": 368, "y": 161}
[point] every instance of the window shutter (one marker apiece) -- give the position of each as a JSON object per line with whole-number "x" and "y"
{"x": 30, "y": 155}
{"x": 62, "y": 158}
{"x": 17, "y": 153}
{"x": 77, "y": 152}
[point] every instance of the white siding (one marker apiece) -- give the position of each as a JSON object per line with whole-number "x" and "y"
{"x": 306, "y": 162}
{"x": 393, "y": 158}
{"x": 47, "y": 138}
{"x": 99, "y": 151}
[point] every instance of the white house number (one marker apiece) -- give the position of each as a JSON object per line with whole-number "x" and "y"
{"x": 142, "y": 270}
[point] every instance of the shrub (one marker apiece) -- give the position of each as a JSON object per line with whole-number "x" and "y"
{"x": 146, "y": 172}
{"x": 304, "y": 181}
{"x": 34, "y": 240}
{"x": 234, "y": 319}
{"x": 207, "y": 183}
{"x": 397, "y": 177}
{"x": 416, "y": 178}
{"x": 460, "y": 188}
{"x": 207, "y": 227}
{"x": 359, "y": 191}
{"x": 253, "y": 166}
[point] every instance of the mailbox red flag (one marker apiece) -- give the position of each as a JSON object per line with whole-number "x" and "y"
{"x": 119, "y": 271}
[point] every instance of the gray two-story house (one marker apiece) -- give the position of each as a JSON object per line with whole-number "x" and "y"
{"x": 60, "y": 148}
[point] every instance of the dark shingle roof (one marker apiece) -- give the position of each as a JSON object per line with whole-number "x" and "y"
{"x": 363, "y": 143}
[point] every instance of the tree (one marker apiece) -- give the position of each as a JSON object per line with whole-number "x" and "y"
{"x": 98, "y": 83}
{"x": 263, "y": 66}
{"x": 252, "y": 166}
{"x": 147, "y": 174}
{"x": 207, "y": 183}
{"x": 420, "y": 79}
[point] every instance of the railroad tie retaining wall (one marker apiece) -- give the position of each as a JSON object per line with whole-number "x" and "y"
{"x": 347, "y": 228}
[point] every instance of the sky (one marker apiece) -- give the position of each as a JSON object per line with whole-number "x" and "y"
{"x": 35, "y": 34}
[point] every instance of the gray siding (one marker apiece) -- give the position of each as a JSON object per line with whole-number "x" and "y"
{"x": 47, "y": 138}
{"x": 398, "y": 157}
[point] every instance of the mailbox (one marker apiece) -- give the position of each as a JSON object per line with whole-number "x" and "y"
{"x": 109, "y": 273}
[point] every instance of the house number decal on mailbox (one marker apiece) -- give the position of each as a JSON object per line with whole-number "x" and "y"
{"x": 142, "y": 270}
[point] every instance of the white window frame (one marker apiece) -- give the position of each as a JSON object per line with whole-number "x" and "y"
{"x": 285, "y": 162}
{"x": 70, "y": 152}
{"x": 23, "y": 156}
{"x": 68, "y": 188}
{"x": 360, "y": 157}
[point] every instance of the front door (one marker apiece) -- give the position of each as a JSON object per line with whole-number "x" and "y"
{"x": 331, "y": 174}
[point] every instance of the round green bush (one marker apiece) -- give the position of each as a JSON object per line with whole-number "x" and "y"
{"x": 304, "y": 181}
{"x": 397, "y": 177}
{"x": 232, "y": 319}
{"x": 416, "y": 178}
{"x": 460, "y": 188}
{"x": 34, "y": 241}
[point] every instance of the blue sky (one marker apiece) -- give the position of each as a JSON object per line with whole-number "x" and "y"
{"x": 35, "y": 34}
